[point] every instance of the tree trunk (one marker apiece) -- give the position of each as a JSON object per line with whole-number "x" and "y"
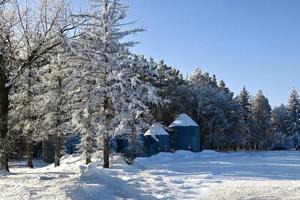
{"x": 4, "y": 105}
{"x": 58, "y": 123}
{"x": 57, "y": 151}
{"x": 88, "y": 160}
{"x": 106, "y": 152}
{"x": 29, "y": 154}
{"x": 4, "y": 163}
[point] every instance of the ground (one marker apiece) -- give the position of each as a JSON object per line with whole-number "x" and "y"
{"x": 182, "y": 175}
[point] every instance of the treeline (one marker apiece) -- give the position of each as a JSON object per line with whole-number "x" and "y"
{"x": 63, "y": 73}
{"x": 230, "y": 122}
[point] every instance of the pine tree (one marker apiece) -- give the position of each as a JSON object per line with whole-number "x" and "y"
{"x": 195, "y": 78}
{"x": 261, "y": 117}
{"x": 294, "y": 117}
{"x": 243, "y": 100}
{"x": 223, "y": 87}
{"x": 294, "y": 112}
{"x": 280, "y": 119}
{"x": 168, "y": 80}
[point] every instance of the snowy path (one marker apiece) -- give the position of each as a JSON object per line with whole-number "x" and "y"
{"x": 183, "y": 175}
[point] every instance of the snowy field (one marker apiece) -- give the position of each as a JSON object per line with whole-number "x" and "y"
{"x": 183, "y": 175}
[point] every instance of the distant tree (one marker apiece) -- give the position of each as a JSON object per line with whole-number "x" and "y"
{"x": 294, "y": 112}
{"x": 243, "y": 101}
{"x": 168, "y": 80}
{"x": 223, "y": 87}
{"x": 294, "y": 117}
{"x": 261, "y": 117}
{"x": 280, "y": 119}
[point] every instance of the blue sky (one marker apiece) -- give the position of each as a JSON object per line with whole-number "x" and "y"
{"x": 255, "y": 43}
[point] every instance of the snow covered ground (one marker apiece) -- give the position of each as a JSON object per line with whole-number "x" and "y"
{"x": 182, "y": 175}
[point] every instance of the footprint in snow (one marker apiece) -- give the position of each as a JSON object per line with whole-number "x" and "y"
{"x": 45, "y": 178}
{"x": 177, "y": 181}
{"x": 184, "y": 186}
{"x": 63, "y": 176}
{"x": 158, "y": 178}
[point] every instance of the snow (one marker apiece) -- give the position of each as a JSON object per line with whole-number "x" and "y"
{"x": 181, "y": 175}
{"x": 156, "y": 129}
{"x": 183, "y": 120}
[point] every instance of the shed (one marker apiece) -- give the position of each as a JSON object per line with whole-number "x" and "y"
{"x": 156, "y": 140}
{"x": 185, "y": 134}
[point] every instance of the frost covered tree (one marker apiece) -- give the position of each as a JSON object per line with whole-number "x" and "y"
{"x": 223, "y": 87}
{"x": 213, "y": 108}
{"x": 294, "y": 117}
{"x": 57, "y": 79}
{"x": 7, "y": 65}
{"x": 280, "y": 119}
{"x": 293, "y": 112}
{"x": 135, "y": 95}
{"x": 243, "y": 100}
{"x": 26, "y": 110}
{"x": 2, "y": 2}
{"x": 114, "y": 97}
{"x": 261, "y": 117}
{"x": 28, "y": 34}
{"x": 47, "y": 20}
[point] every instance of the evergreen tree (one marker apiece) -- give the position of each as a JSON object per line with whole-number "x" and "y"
{"x": 294, "y": 117}
{"x": 168, "y": 80}
{"x": 116, "y": 97}
{"x": 223, "y": 87}
{"x": 243, "y": 99}
{"x": 280, "y": 119}
{"x": 294, "y": 112}
{"x": 261, "y": 117}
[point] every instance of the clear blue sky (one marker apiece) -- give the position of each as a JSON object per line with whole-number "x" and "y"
{"x": 255, "y": 43}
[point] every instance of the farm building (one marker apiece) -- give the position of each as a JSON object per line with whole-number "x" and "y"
{"x": 72, "y": 143}
{"x": 156, "y": 140}
{"x": 184, "y": 134}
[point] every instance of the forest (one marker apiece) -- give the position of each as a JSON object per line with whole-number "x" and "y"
{"x": 64, "y": 72}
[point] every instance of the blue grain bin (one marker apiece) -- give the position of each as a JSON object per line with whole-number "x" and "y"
{"x": 122, "y": 145}
{"x": 185, "y": 134}
{"x": 72, "y": 144}
{"x": 156, "y": 140}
